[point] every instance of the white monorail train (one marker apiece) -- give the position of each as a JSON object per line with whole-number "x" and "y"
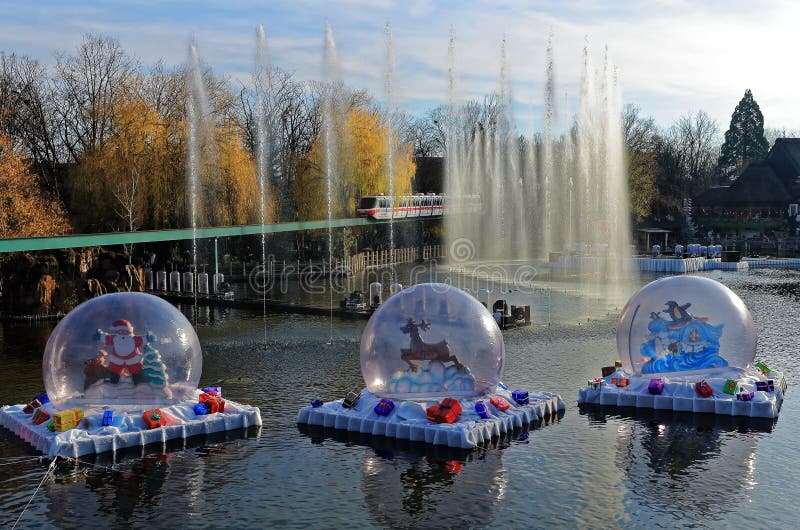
{"x": 420, "y": 205}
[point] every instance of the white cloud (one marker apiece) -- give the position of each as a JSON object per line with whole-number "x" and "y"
{"x": 673, "y": 56}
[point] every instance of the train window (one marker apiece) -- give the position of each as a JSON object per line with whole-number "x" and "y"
{"x": 368, "y": 203}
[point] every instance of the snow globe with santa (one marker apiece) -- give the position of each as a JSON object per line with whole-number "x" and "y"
{"x": 119, "y": 370}
{"x": 122, "y": 349}
{"x": 432, "y": 359}
{"x": 688, "y": 343}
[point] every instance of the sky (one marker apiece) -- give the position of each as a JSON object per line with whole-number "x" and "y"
{"x": 674, "y": 57}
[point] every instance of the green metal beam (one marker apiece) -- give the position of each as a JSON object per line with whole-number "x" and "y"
{"x": 149, "y": 236}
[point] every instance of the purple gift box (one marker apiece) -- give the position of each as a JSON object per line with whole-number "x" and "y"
{"x": 765, "y": 386}
{"x": 656, "y": 386}
{"x": 482, "y": 410}
{"x": 745, "y": 396}
{"x": 384, "y": 407}
{"x": 520, "y": 396}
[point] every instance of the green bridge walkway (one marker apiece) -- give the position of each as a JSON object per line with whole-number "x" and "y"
{"x": 149, "y": 236}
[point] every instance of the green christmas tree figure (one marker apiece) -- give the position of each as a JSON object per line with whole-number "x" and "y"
{"x": 155, "y": 370}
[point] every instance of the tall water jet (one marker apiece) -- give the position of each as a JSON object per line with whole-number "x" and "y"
{"x": 197, "y": 111}
{"x": 390, "y": 115}
{"x": 548, "y": 159}
{"x": 263, "y": 141}
{"x": 331, "y": 76}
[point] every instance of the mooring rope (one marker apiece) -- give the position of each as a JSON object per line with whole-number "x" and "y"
{"x": 46, "y": 474}
{"x": 20, "y": 460}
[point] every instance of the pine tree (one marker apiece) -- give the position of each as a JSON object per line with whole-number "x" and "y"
{"x": 744, "y": 140}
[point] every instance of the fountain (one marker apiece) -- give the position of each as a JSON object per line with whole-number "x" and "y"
{"x": 263, "y": 83}
{"x": 528, "y": 185}
{"x": 390, "y": 113}
{"x": 330, "y": 104}
{"x": 197, "y": 112}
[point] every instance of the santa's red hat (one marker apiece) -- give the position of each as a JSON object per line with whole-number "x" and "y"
{"x": 121, "y": 325}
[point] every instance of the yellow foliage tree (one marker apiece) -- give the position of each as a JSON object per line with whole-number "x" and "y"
{"x": 361, "y": 161}
{"x": 238, "y": 200}
{"x": 133, "y": 179}
{"x": 24, "y": 210}
{"x": 137, "y": 178}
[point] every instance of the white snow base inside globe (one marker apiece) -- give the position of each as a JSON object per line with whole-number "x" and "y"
{"x": 128, "y": 430}
{"x": 408, "y": 420}
{"x": 679, "y": 393}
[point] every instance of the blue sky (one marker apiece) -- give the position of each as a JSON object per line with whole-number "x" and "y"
{"x": 673, "y": 56}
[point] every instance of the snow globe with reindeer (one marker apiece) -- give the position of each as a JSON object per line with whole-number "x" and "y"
{"x": 122, "y": 370}
{"x": 688, "y": 343}
{"x": 432, "y": 359}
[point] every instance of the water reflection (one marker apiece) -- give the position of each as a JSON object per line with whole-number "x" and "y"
{"x": 157, "y": 481}
{"x": 428, "y": 486}
{"x": 680, "y": 462}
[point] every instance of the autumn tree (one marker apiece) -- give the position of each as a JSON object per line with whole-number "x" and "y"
{"x": 25, "y": 211}
{"x": 361, "y": 166}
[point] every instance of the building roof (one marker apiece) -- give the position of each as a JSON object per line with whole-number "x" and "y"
{"x": 711, "y": 197}
{"x": 784, "y": 157}
{"x": 758, "y": 185}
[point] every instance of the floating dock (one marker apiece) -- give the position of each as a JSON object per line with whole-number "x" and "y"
{"x": 409, "y": 421}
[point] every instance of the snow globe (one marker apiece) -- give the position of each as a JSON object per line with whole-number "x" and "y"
{"x": 688, "y": 343}
{"x": 432, "y": 357}
{"x": 121, "y": 370}
{"x": 685, "y": 323}
{"x": 430, "y": 342}
{"x": 122, "y": 349}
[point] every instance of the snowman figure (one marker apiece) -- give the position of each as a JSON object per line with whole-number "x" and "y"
{"x": 124, "y": 351}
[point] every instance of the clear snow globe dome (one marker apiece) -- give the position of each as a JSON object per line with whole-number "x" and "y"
{"x": 122, "y": 349}
{"x": 429, "y": 342}
{"x": 685, "y": 323}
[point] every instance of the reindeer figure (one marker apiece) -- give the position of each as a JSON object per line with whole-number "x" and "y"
{"x": 420, "y": 350}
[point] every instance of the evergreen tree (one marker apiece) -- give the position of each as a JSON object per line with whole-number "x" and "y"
{"x": 744, "y": 140}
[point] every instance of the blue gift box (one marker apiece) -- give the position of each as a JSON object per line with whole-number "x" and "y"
{"x": 520, "y": 396}
{"x": 482, "y": 410}
{"x": 201, "y": 409}
{"x": 216, "y": 390}
{"x": 501, "y": 385}
{"x": 765, "y": 386}
{"x": 108, "y": 418}
{"x": 317, "y": 403}
{"x": 656, "y": 386}
{"x": 43, "y": 398}
{"x": 384, "y": 407}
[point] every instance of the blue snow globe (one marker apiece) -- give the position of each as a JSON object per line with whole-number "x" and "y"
{"x": 685, "y": 324}
{"x": 122, "y": 349}
{"x": 429, "y": 342}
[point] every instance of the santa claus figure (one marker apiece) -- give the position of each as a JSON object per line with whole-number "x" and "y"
{"x": 124, "y": 352}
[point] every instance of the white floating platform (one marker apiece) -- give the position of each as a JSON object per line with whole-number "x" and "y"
{"x": 772, "y": 263}
{"x": 409, "y": 421}
{"x": 91, "y": 437}
{"x": 719, "y": 265}
{"x": 680, "y": 395}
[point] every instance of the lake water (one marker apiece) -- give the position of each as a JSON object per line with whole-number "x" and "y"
{"x": 588, "y": 468}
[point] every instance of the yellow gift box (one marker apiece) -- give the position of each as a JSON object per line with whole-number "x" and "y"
{"x": 67, "y": 419}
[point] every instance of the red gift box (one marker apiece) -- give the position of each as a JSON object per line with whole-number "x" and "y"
{"x": 499, "y": 403}
{"x": 40, "y": 416}
{"x": 445, "y": 412}
{"x": 155, "y": 418}
{"x": 214, "y": 402}
{"x": 620, "y": 381}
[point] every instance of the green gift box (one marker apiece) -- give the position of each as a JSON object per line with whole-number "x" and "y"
{"x": 730, "y": 387}
{"x": 763, "y": 368}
